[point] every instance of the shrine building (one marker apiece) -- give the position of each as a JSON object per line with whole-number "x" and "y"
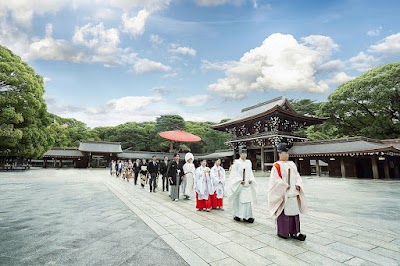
{"x": 263, "y": 126}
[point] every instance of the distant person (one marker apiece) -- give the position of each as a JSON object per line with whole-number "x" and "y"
{"x": 174, "y": 173}
{"x": 286, "y": 198}
{"x": 188, "y": 178}
{"x": 242, "y": 188}
{"x": 217, "y": 175}
{"x": 163, "y": 173}
{"x": 113, "y": 169}
{"x": 143, "y": 173}
{"x": 153, "y": 168}
{"x": 136, "y": 170}
{"x": 203, "y": 187}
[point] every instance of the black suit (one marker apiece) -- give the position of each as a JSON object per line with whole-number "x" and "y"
{"x": 153, "y": 169}
{"x": 163, "y": 171}
{"x": 136, "y": 169}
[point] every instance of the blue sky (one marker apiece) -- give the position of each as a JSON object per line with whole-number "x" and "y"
{"x": 110, "y": 62}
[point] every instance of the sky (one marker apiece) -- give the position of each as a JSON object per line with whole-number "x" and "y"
{"x": 107, "y": 62}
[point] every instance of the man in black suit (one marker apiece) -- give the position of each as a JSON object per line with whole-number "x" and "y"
{"x": 163, "y": 172}
{"x": 153, "y": 171}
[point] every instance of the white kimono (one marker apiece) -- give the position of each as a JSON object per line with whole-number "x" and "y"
{"x": 241, "y": 197}
{"x": 203, "y": 183}
{"x": 217, "y": 175}
{"x": 279, "y": 197}
{"x": 190, "y": 171}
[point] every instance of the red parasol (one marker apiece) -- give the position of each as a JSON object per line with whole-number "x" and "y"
{"x": 180, "y": 136}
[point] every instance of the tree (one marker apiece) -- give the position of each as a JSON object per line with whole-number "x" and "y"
{"x": 23, "y": 111}
{"x": 306, "y": 107}
{"x": 368, "y": 105}
{"x": 169, "y": 122}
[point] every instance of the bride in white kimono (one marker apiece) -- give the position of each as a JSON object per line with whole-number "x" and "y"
{"x": 189, "y": 171}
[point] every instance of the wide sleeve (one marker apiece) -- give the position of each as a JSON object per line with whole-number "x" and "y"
{"x": 276, "y": 193}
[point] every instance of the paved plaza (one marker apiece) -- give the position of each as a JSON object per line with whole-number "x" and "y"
{"x": 87, "y": 217}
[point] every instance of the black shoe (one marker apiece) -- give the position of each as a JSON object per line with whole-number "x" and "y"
{"x": 154, "y": 191}
{"x": 250, "y": 220}
{"x": 284, "y": 237}
{"x": 236, "y": 219}
{"x": 300, "y": 237}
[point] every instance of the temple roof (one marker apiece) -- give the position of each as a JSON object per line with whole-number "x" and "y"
{"x": 101, "y": 147}
{"x": 217, "y": 154}
{"x": 348, "y": 146}
{"x": 63, "y": 153}
{"x": 280, "y": 104}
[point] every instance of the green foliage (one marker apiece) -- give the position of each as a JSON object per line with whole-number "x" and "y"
{"x": 23, "y": 111}
{"x": 368, "y": 105}
{"x": 306, "y": 106}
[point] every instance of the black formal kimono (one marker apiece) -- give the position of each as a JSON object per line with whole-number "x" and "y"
{"x": 174, "y": 173}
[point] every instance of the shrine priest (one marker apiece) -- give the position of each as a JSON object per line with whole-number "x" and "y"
{"x": 242, "y": 188}
{"x": 174, "y": 173}
{"x": 286, "y": 196}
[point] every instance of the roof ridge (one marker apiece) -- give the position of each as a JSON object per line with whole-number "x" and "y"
{"x": 341, "y": 140}
{"x": 262, "y": 103}
{"x": 100, "y": 142}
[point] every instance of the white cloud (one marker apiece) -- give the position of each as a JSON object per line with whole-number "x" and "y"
{"x": 135, "y": 25}
{"x": 332, "y": 65}
{"x": 221, "y": 66}
{"x": 130, "y": 103}
{"x": 103, "y": 14}
{"x": 217, "y": 2}
{"x": 145, "y": 65}
{"x": 49, "y": 48}
{"x": 13, "y": 38}
{"x": 150, "y": 5}
{"x": 363, "y": 62}
{"x": 389, "y": 45}
{"x": 171, "y": 75}
{"x": 375, "y": 32}
{"x": 339, "y": 78}
{"x": 184, "y": 51}
{"x": 102, "y": 43}
{"x": 195, "y": 100}
{"x": 156, "y": 39}
{"x": 22, "y": 11}
{"x": 46, "y": 79}
{"x": 280, "y": 63}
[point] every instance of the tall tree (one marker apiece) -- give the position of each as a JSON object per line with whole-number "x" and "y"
{"x": 23, "y": 111}
{"x": 368, "y": 105}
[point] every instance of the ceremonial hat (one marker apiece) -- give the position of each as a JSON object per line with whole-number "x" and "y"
{"x": 188, "y": 156}
{"x": 242, "y": 149}
{"x": 282, "y": 147}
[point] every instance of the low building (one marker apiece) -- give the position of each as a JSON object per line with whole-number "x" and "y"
{"x": 356, "y": 157}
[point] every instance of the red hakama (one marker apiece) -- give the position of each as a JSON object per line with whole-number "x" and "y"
{"x": 216, "y": 202}
{"x": 203, "y": 204}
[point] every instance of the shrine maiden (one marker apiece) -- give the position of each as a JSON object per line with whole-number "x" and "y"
{"x": 203, "y": 187}
{"x": 217, "y": 175}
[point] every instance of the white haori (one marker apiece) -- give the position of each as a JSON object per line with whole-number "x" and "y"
{"x": 190, "y": 171}
{"x": 279, "y": 197}
{"x": 203, "y": 183}
{"x": 241, "y": 197}
{"x": 217, "y": 175}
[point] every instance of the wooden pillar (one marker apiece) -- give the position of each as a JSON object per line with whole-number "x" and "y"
{"x": 275, "y": 154}
{"x": 396, "y": 169}
{"x": 342, "y": 167}
{"x": 386, "y": 168}
{"x": 262, "y": 158}
{"x": 375, "y": 172}
{"x": 318, "y": 168}
{"x": 90, "y": 158}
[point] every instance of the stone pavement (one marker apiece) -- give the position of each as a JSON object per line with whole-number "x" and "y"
{"x": 351, "y": 222}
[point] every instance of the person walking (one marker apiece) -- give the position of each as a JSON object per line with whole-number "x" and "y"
{"x": 286, "y": 199}
{"x": 174, "y": 173}
{"x": 189, "y": 171}
{"x": 242, "y": 188}
{"x": 163, "y": 173}
{"x": 217, "y": 175}
{"x": 153, "y": 168}
{"x": 203, "y": 187}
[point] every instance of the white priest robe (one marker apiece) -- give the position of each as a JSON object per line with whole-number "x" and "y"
{"x": 278, "y": 194}
{"x": 242, "y": 197}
